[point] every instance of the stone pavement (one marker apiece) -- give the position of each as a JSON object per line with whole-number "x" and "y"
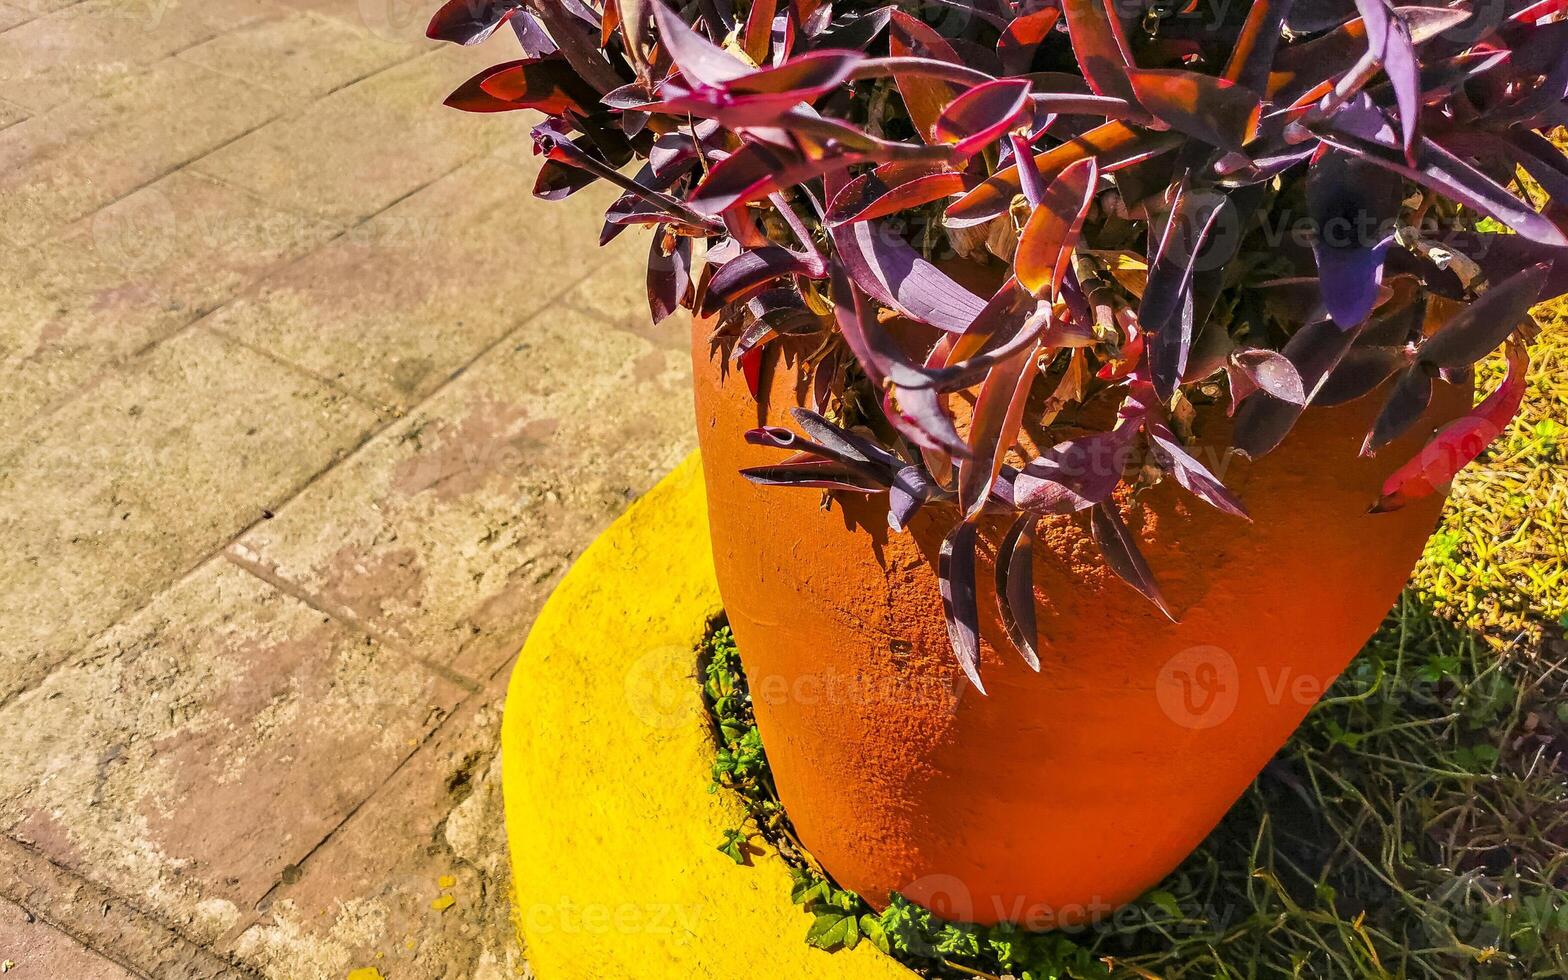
{"x": 305, "y": 404}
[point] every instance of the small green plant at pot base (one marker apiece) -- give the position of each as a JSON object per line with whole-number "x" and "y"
{"x": 1413, "y": 828}
{"x": 839, "y": 919}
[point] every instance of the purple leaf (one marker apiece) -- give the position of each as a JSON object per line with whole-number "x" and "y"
{"x": 825, "y": 474}
{"x": 1263, "y": 421}
{"x": 557, "y": 181}
{"x": 758, "y": 33}
{"x": 804, "y": 77}
{"x": 1165, "y": 313}
{"x": 981, "y": 115}
{"x": 844, "y": 441}
{"x": 1076, "y": 474}
{"x": 886, "y": 267}
{"x": 1100, "y": 44}
{"x": 869, "y": 196}
{"x": 753, "y": 172}
{"x": 1360, "y": 372}
{"x": 1193, "y": 476}
{"x": 783, "y": 312}
{"x": 742, "y": 276}
{"x": 1031, "y": 182}
{"x": 910, "y": 490}
{"x": 762, "y": 98}
{"x": 1253, "y": 53}
{"x": 1022, "y": 36}
{"x": 782, "y": 438}
{"x": 551, "y": 141}
{"x": 1114, "y": 145}
{"x": 1406, "y": 403}
{"x": 531, "y": 35}
{"x": 669, "y": 276}
{"x": 579, "y": 45}
{"x": 1350, "y": 278}
{"x": 1479, "y": 328}
{"x": 700, "y": 60}
{"x": 469, "y": 21}
{"x": 879, "y": 355}
{"x": 1218, "y": 112}
{"x": 1443, "y": 172}
{"x": 1501, "y": 255}
{"x": 1354, "y": 206}
{"x": 998, "y": 412}
{"x": 920, "y": 416}
{"x": 1046, "y": 243}
{"x": 1122, "y": 555}
{"x": 547, "y": 84}
{"x": 924, "y": 96}
{"x": 956, "y": 573}
{"x": 1015, "y": 588}
{"x": 1264, "y": 370}
{"x": 1389, "y": 41}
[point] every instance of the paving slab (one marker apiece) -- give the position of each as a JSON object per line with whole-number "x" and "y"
{"x": 300, "y": 56}
{"x": 38, "y": 8}
{"x": 448, "y": 530}
{"x": 103, "y": 921}
{"x": 34, "y": 950}
{"x": 358, "y": 902}
{"x": 129, "y": 275}
{"x": 10, "y": 16}
{"x": 11, "y": 114}
{"x": 59, "y": 166}
{"x": 625, "y": 307}
{"x": 120, "y": 492}
{"x": 393, "y": 20}
{"x": 365, "y": 146}
{"x": 197, "y": 752}
{"x": 87, "y": 48}
{"x": 392, "y": 309}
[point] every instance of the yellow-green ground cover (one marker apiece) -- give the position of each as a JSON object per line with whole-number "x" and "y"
{"x": 1499, "y": 563}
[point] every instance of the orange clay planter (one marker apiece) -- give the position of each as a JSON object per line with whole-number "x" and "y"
{"x": 1061, "y": 794}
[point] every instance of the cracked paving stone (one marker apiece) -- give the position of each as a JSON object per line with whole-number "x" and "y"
{"x": 446, "y": 533}
{"x": 207, "y": 745}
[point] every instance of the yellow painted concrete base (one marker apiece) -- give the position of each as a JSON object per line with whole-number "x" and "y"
{"x": 606, "y": 752}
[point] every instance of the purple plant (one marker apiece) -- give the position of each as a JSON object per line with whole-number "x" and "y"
{"x": 1279, "y": 200}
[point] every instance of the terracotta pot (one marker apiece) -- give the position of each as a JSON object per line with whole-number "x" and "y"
{"x": 1064, "y": 793}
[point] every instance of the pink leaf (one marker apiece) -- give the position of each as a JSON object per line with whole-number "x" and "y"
{"x": 868, "y": 196}
{"x": 981, "y": 115}
{"x": 924, "y": 97}
{"x": 1051, "y": 233}
{"x": 999, "y": 410}
{"x": 1457, "y": 444}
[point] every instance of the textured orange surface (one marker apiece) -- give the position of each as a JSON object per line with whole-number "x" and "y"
{"x": 1068, "y": 792}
